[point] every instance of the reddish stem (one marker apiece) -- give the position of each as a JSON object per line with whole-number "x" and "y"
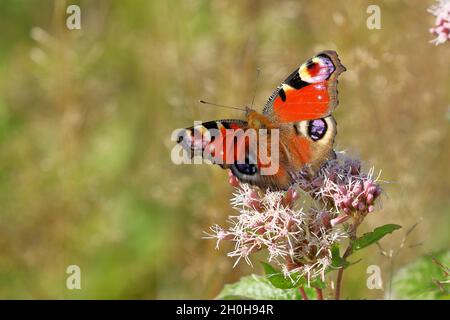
{"x": 319, "y": 293}
{"x": 348, "y": 251}
{"x": 303, "y": 293}
{"x": 337, "y": 293}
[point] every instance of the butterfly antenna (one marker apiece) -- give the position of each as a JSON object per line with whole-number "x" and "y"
{"x": 221, "y": 105}
{"x": 258, "y": 72}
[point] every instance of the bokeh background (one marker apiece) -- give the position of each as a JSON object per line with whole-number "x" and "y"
{"x": 86, "y": 118}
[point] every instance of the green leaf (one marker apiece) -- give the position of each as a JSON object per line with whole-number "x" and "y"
{"x": 318, "y": 283}
{"x": 278, "y": 280}
{"x": 371, "y": 237}
{"x": 418, "y": 280}
{"x": 337, "y": 261}
{"x": 258, "y": 287}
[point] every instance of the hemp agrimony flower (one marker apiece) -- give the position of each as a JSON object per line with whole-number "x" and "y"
{"x": 299, "y": 240}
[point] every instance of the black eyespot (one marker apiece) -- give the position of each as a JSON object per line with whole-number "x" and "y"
{"x": 282, "y": 94}
{"x": 317, "y": 129}
{"x": 246, "y": 168}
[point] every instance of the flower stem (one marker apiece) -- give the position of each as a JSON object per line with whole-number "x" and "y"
{"x": 303, "y": 293}
{"x": 319, "y": 293}
{"x": 348, "y": 251}
{"x": 337, "y": 294}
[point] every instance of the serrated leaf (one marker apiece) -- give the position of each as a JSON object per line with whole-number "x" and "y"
{"x": 372, "y": 237}
{"x": 260, "y": 288}
{"x": 418, "y": 280}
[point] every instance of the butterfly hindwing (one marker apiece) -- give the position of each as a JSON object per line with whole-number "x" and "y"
{"x": 311, "y": 145}
{"x": 310, "y": 92}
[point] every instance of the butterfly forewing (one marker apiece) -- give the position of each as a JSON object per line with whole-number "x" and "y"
{"x": 310, "y": 92}
{"x": 212, "y": 140}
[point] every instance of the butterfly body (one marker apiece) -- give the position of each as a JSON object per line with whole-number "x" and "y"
{"x": 297, "y": 116}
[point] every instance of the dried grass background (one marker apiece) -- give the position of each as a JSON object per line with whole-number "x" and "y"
{"x": 86, "y": 118}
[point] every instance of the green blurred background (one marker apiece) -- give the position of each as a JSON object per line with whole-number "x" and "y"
{"x": 86, "y": 118}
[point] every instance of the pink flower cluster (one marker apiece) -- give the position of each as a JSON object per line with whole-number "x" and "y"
{"x": 299, "y": 240}
{"x": 343, "y": 184}
{"x": 442, "y": 24}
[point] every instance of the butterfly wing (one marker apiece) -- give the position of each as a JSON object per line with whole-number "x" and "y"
{"x": 208, "y": 139}
{"x": 227, "y": 143}
{"x": 310, "y": 92}
{"x": 302, "y": 106}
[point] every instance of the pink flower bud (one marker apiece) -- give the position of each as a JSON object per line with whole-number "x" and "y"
{"x": 347, "y": 201}
{"x": 361, "y": 206}
{"x": 325, "y": 218}
{"x": 377, "y": 192}
{"x": 358, "y": 188}
{"x": 290, "y": 197}
{"x": 339, "y": 220}
{"x": 343, "y": 190}
{"x": 371, "y": 189}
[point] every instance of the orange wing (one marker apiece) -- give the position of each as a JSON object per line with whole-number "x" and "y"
{"x": 310, "y": 92}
